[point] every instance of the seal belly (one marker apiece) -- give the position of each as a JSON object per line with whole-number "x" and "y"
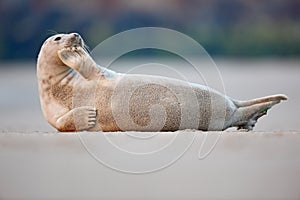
{"x": 149, "y": 103}
{"x": 142, "y": 105}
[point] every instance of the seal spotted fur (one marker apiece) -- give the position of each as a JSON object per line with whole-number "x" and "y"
{"x": 76, "y": 94}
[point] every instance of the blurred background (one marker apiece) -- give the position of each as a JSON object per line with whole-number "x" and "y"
{"x": 224, "y": 28}
{"x": 255, "y": 44}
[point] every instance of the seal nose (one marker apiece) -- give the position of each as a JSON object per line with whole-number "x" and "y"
{"x": 76, "y": 35}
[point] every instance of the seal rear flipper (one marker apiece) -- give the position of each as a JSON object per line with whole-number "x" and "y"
{"x": 245, "y": 117}
{"x": 277, "y": 97}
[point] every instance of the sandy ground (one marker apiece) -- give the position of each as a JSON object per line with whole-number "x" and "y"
{"x": 242, "y": 79}
{"x": 230, "y": 165}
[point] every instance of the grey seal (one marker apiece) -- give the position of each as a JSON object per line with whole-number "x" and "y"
{"x": 78, "y": 95}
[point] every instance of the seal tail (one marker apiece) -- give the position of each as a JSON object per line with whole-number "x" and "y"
{"x": 248, "y": 112}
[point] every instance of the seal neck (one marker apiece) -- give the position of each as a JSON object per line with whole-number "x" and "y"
{"x": 52, "y": 72}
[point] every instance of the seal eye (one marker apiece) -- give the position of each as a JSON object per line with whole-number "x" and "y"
{"x": 57, "y": 38}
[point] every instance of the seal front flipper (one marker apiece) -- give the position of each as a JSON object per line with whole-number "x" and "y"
{"x": 248, "y": 112}
{"x": 78, "y": 59}
{"x": 77, "y": 119}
